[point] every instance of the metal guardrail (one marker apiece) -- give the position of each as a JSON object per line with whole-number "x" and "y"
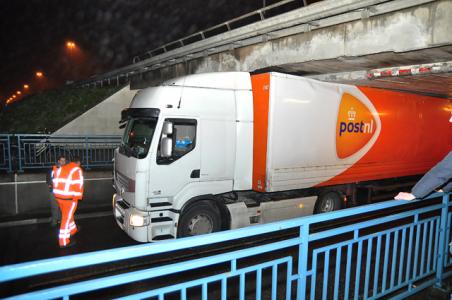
{"x": 392, "y": 250}
{"x": 34, "y": 151}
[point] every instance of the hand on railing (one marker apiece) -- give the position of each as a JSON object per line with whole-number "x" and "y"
{"x": 409, "y": 196}
{"x": 404, "y": 196}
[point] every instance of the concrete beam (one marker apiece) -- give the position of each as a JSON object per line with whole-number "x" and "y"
{"x": 356, "y": 39}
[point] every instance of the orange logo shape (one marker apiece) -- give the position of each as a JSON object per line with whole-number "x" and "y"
{"x": 355, "y": 126}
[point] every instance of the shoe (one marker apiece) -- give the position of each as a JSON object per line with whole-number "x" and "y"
{"x": 71, "y": 244}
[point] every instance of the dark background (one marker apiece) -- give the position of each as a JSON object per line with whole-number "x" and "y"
{"x": 108, "y": 34}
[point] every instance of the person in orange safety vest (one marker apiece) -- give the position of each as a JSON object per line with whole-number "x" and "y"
{"x": 68, "y": 190}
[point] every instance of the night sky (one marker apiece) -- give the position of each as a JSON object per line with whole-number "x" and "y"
{"x": 108, "y": 34}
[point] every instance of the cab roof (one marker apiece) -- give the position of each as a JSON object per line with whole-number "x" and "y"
{"x": 217, "y": 80}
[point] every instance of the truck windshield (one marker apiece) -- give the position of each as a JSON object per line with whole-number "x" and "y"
{"x": 138, "y": 136}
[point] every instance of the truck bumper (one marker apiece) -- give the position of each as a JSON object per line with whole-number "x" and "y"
{"x": 156, "y": 225}
{"x": 123, "y": 212}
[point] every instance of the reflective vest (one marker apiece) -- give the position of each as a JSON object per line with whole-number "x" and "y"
{"x": 68, "y": 182}
{"x": 54, "y": 171}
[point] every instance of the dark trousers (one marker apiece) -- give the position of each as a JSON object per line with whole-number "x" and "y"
{"x": 55, "y": 210}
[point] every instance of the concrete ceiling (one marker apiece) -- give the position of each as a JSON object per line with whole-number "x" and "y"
{"x": 354, "y": 70}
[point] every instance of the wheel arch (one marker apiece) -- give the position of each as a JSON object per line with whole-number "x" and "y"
{"x": 339, "y": 191}
{"x": 216, "y": 202}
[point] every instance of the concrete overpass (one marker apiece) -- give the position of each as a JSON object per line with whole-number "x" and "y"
{"x": 341, "y": 40}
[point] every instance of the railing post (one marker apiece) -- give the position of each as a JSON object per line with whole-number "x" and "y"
{"x": 19, "y": 153}
{"x": 86, "y": 153}
{"x": 10, "y": 159}
{"x": 303, "y": 261}
{"x": 442, "y": 251}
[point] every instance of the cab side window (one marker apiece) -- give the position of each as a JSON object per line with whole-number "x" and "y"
{"x": 183, "y": 139}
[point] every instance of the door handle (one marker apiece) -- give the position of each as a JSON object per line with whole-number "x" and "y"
{"x": 195, "y": 173}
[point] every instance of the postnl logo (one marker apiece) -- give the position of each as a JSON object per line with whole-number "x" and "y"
{"x": 355, "y": 126}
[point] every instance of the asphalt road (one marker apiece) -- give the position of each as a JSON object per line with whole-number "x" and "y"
{"x": 40, "y": 241}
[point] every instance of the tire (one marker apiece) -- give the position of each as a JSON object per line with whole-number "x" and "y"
{"x": 328, "y": 202}
{"x": 200, "y": 218}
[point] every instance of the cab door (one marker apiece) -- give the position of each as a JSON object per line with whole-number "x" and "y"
{"x": 171, "y": 172}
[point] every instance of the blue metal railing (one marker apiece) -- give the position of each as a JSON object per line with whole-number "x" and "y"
{"x": 389, "y": 249}
{"x": 35, "y": 151}
{"x": 5, "y": 152}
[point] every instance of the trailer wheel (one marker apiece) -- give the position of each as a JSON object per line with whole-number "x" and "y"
{"x": 200, "y": 218}
{"x": 327, "y": 202}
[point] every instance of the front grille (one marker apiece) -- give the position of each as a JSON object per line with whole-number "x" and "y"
{"x": 123, "y": 204}
{"x": 123, "y": 180}
{"x": 161, "y": 219}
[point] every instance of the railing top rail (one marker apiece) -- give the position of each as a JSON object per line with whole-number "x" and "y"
{"x": 26, "y": 269}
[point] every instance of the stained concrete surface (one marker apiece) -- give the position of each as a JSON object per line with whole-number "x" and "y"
{"x": 32, "y": 197}
{"x": 103, "y": 118}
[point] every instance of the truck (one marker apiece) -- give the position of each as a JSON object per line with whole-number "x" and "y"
{"x": 216, "y": 151}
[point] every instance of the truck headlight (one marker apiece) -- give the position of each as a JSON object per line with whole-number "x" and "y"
{"x": 138, "y": 220}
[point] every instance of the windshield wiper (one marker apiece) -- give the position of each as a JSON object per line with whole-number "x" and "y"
{"x": 126, "y": 149}
{"x": 137, "y": 151}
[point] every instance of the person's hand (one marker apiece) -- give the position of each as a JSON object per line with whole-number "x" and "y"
{"x": 405, "y": 196}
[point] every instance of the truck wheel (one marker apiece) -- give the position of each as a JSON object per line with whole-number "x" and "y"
{"x": 200, "y": 218}
{"x": 327, "y": 202}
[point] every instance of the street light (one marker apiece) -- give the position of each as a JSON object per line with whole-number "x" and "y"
{"x": 26, "y": 86}
{"x": 18, "y": 92}
{"x": 39, "y": 74}
{"x": 70, "y": 45}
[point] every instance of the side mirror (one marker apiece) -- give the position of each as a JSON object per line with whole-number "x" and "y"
{"x": 166, "y": 147}
{"x": 167, "y": 128}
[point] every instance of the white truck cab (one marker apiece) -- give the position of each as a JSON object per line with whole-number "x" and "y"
{"x": 179, "y": 151}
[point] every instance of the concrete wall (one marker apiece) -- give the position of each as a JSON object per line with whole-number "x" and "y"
{"x": 101, "y": 119}
{"x": 26, "y": 195}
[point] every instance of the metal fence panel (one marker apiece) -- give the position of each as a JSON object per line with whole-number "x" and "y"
{"x": 35, "y": 151}
{"x": 5, "y": 152}
{"x": 389, "y": 254}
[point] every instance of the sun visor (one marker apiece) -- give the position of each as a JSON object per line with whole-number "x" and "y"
{"x": 128, "y": 113}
